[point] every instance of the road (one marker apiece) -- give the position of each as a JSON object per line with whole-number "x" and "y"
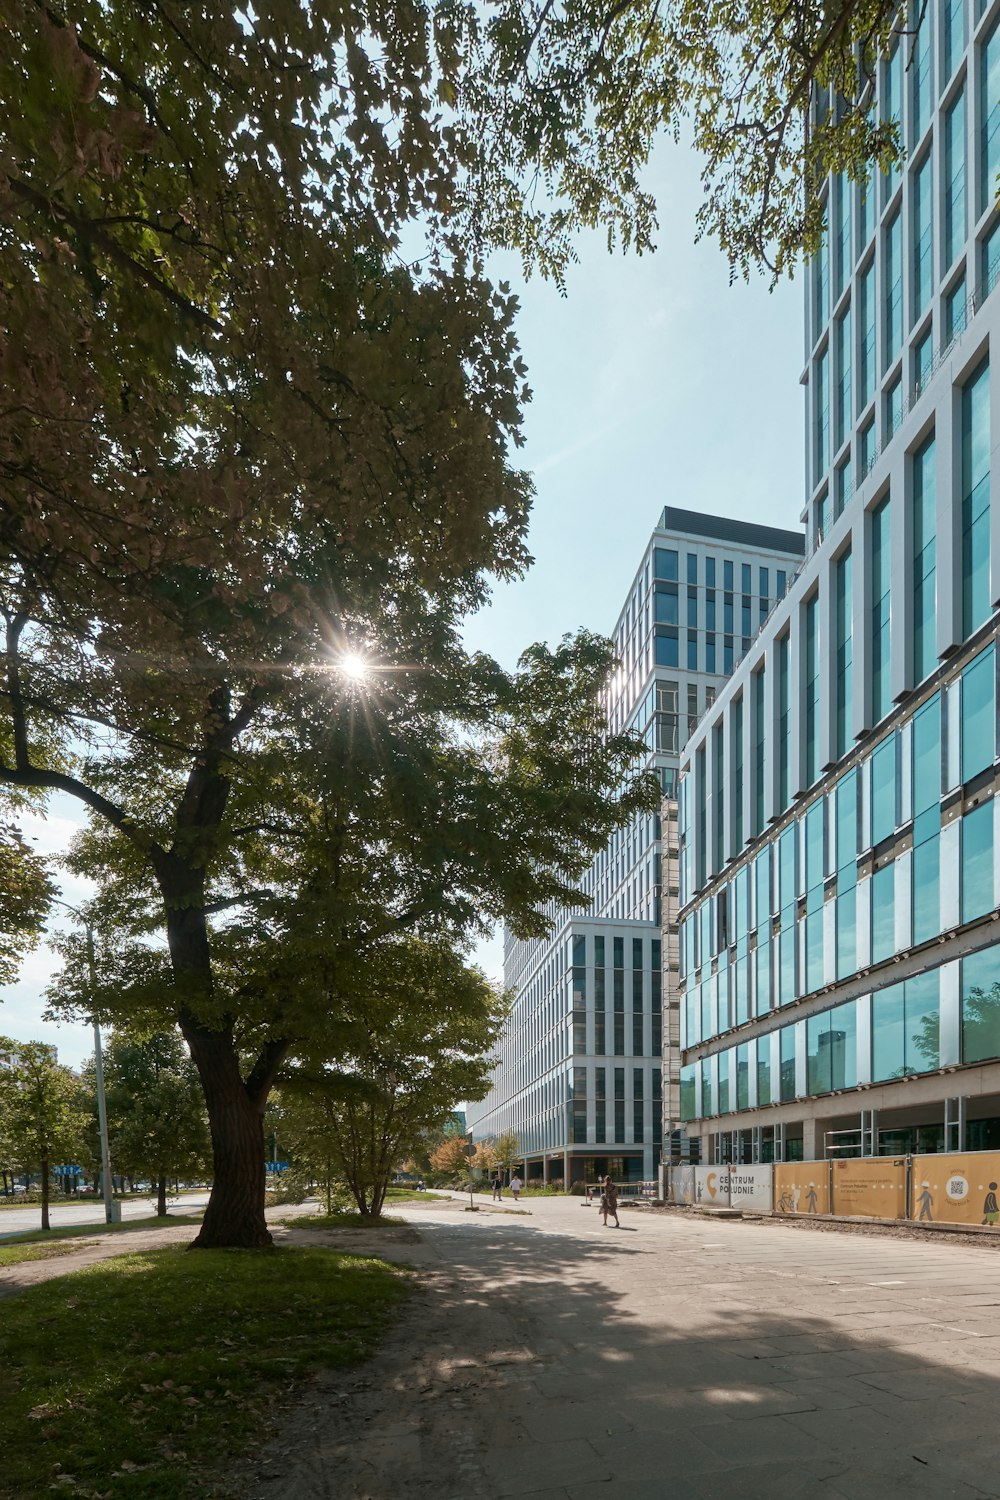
{"x": 678, "y": 1358}
{"x": 90, "y": 1211}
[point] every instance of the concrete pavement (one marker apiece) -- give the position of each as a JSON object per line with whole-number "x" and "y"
{"x": 675, "y": 1359}
{"x": 90, "y": 1211}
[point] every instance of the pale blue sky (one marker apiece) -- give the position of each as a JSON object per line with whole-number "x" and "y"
{"x": 655, "y": 382}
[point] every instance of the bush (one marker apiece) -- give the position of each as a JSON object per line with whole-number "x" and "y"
{"x": 291, "y": 1187}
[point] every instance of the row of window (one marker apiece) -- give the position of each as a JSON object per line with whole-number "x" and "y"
{"x": 950, "y": 739}
{"x": 748, "y": 804}
{"x": 893, "y": 1033}
{"x": 666, "y": 566}
{"x": 616, "y": 1119}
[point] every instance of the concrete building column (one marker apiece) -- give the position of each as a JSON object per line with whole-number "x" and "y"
{"x": 812, "y": 1140}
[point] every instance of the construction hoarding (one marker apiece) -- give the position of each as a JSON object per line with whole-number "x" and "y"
{"x": 956, "y": 1188}
{"x": 802, "y": 1187}
{"x": 711, "y": 1186}
{"x": 750, "y": 1187}
{"x": 869, "y": 1188}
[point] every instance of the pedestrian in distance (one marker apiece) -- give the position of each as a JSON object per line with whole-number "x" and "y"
{"x": 609, "y": 1202}
{"x": 497, "y": 1188}
{"x": 515, "y": 1186}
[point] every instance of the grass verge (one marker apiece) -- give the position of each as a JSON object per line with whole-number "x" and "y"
{"x": 90, "y": 1231}
{"x": 14, "y": 1255}
{"x": 410, "y": 1195}
{"x": 147, "y": 1376}
{"x": 341, "y": 1221}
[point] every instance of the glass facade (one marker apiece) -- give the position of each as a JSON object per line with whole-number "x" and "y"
{"x": 881, "y": 612}
{"x": 976, "y": 500}
{"x": 924, "y": 560}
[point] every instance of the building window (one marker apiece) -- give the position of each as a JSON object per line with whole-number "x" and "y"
{"x": 692, "y": 567}
{"x": 784, "y": 723}
{"x": 665, "y": 564}
{"x": 866, "y": 367}
{"x": 954, "y": 35}
{"x": 881, "y": 612}
{"x": 763, "y": 1049}
{"x": 665, "y": 605}
{"x": 978, "y": 715}
{"x": 844, "y": 258}
{"x": 923, "y": 237}
{"x": 893, "y": 407}
{"x": 619, "y": 1105}
{"x": 923, "y": 362}
{"x": 927, "y": 756}
{"x": 991, "y": 260}
{"x": 892, "y": 113}
{"x": 843, "y": 624}
{"x": 989, "y": 114}
{"x": 921, "y": 73}
{"x": 866, "y": 448}
{"x": 812, "y": 666}
{"x": 665, "y": 646}
{"x": 718, "y": 782}
{"x": 707, "y": 1086}
{"x": 884, "y": 796}
{"x": 977, "y": 863}
{"x": 688, "y": 1099}
{"x": 893, "y": 266}
{"x": 955, "y": 312}
{"x": 760, "y": 737}
{"x": 924, "y": 561}
{"x": 954, "y": 178}
{"x": 832, "y": 1050}
{"x": 638, "y": 1131}
{"x": 600, "y": 1106}
{"x": 787, "y": 1062}
{"x": 906, "y": 1025}
{"x": 866, "y": 215}
{"x": 692, "y": 651}
{"x": 710, "y": 572}
{"x": 737, "y": 790}
{"x": 883, "y": 930}
{"x": 976, "y": 500}
{"x": 843, "y": 404}
{"x": 727, "y": 575}
{"x": 981, "y": 1006}
{"x": 821, "y": 285}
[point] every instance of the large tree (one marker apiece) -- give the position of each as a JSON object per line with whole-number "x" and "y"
{"x": 244, "y": 436}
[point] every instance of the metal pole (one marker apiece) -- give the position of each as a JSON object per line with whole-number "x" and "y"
{"x": 102, "y": 1108}
{"x": 107, "y": 1185}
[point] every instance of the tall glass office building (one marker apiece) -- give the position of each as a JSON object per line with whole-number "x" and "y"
{"x": 839, "y": 963}
{"x": 579, "y": 1075}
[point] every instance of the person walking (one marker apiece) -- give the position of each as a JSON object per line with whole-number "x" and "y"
{"x": 515, "y": 1186}
{"x": 609, "y": 1202}
{"x": 497, "y": 1188}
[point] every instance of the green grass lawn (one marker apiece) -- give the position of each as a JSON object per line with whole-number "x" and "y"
{"x": 410, "y": 1195}
{"x": 13, "y": 1255}
{"x": 149, "y": 1376}
{"x": 340, "y": 1221}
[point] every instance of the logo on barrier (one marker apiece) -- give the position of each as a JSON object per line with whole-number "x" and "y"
{"x": 712, "y": 1183}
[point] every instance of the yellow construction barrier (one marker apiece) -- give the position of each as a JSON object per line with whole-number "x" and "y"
{"x": 956, "y": 1188}
{"x": 802, "y": 1187}
{"x": 870, "y": 1188}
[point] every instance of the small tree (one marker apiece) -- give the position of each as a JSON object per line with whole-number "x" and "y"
{"x": 507, "y": 1152}
{"x": 450, "y": 1155}
{"x": 417, "y": 1042}
{"x": 43, "y": 1109}
{"x": 157, "y": 1123}
{"x": 485, "y": 1158}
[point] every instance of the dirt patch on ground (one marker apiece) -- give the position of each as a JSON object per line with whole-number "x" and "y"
{"x": 14, "y": 1279}
{"x": 379, "y": 1242}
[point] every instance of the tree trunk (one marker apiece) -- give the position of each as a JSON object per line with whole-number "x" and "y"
{"x": 161, "y": 1197}
{"x": 234, "y": 1217}
{"x": 45, "y": 1193}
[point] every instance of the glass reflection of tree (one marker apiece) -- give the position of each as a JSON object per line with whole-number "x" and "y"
{"x": 981, "y": 1023}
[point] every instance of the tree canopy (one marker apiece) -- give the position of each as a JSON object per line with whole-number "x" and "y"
{"x": 43, "y": 1114}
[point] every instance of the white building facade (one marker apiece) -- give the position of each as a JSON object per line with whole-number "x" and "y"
{"x": 839, "y": 962}
{"x": 579, "y": 1075}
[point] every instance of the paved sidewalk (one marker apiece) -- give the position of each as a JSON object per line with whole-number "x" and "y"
{"x": 675, "y": 1359}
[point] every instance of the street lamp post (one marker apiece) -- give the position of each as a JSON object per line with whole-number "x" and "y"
{"x": 102, "y": 1108}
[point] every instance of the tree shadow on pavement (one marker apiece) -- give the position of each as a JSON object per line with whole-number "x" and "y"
{"x": 548, "y": 1365}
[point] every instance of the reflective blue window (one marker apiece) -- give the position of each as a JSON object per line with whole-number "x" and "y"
{"x": 927, "y": 756}
{"x": 977, "y": 862}
{"x": 881, "y": 612}
{"x": 990, "y": 117}
{"x": 981, "y": 1005}
{"x": 924, "y": 561}
{"x": 893, "y": 264}
{"x": 976, "y": 500}
{"x": 923, "y": 238}
{"x": 978, "y": 715}
{"x": 954, "y": 180}
{"x": 787, "y": 1047}
{"x": 883, "y": 913}
{"x": 884, "y": 790}
{"x": 665, "y": 564}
